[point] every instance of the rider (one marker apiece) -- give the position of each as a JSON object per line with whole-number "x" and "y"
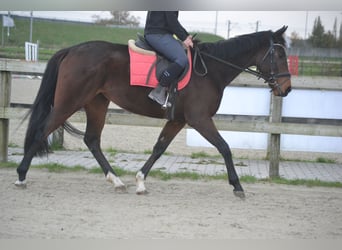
{"x": 160, "y": 28}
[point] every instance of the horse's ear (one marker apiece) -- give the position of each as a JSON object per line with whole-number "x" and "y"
{"x": 280, "y": 31}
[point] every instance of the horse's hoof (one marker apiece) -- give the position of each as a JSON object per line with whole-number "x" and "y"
{"x": 240, "y": 194}
{"x": 121, "y": 189}
{"x": 141, "y": 192}
{"x": 20, "y": 184}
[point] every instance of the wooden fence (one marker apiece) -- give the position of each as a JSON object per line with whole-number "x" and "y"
{"x": 274, "y": 124}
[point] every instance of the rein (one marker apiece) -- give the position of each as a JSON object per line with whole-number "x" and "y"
{"x": 199, "y": 54}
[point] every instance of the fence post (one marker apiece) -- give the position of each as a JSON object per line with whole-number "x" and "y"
{"x": 31, "y": 51}
{"x": 5, "y": 96}
{"x": 274, "y": 141}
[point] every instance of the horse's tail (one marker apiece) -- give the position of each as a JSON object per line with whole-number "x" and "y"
{"x": 72, "y": 130}
{"x": 42, "y": 105}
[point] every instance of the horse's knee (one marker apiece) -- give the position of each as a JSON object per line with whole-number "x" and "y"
{"x": 224, "y": 150}
{"x": 92, "y": 142}
{"x": 160, "y": 147}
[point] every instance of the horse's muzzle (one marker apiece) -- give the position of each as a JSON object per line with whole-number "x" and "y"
{"x": 287, "y": 91}
{"x": 278, "y": 87}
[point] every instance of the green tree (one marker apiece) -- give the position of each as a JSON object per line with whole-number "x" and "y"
{"x": 119, "y": 18}
{"x": 335, "y": 28}
{"x": 317, "y": 36}
{"x": 329, "y": 40}
{"x": 339, "y": 41}
{"x": 296, "y": 40}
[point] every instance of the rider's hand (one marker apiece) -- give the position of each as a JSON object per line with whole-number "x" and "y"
{"x": 188, "y": 42}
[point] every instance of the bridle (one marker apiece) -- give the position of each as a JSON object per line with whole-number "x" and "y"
{"x": 271, "y": 78}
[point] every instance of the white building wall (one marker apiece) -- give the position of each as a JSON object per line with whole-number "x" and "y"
{"x": 299, "y": 103}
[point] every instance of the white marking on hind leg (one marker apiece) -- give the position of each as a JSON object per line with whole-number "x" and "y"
{"x": 20, "y": 183}
{"x": 118, "y": 184}
{"x": 140, "y": 179}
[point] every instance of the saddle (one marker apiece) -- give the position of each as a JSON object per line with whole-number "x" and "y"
{"x": 146, "y": 67}
{"x": 162, "y": 63}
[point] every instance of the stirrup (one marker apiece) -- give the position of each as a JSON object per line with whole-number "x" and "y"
{"x": 167, "y": 104}
{"x": 157, "y": 97}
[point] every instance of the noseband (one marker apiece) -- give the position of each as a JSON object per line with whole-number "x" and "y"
{"x": 271, "y": 78}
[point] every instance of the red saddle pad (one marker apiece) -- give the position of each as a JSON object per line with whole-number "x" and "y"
{"x": 140, "y": 66}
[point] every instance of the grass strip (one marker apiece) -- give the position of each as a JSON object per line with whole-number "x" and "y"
{"x": 162, "y": 175}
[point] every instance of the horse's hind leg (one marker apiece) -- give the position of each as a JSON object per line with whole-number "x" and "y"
{"x": 55, "y": 119}
{"x": 96, "y": 113}
{"x": 168, "y": 133}
{"x": 25, "y": 164}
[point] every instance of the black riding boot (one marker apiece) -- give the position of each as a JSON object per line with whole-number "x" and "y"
{"x": 158, "y": 94}
{"x": 168, "y": 76}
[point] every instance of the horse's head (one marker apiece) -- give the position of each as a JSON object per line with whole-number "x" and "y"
{"x": 273, "y": 64}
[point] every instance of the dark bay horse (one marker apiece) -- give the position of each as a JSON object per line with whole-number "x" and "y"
{"x": 92, "y": 74}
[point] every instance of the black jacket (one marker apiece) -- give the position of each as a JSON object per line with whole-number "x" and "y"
{"x": 163, "y": 22}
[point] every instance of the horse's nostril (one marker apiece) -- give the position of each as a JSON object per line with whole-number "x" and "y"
{"x": 288, "y": 90}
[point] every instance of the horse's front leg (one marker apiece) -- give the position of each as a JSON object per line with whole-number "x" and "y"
{"x": 168, "y": 133}
{"x": 140, "y": 180}
{"x": 96, "y": 112}
{"x": 207, "y": 129}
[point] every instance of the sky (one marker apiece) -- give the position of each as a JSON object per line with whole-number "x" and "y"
{"x": 241, "y": 22}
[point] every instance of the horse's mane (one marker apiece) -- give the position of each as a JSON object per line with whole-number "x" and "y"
{"x": 233, "y": 47}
